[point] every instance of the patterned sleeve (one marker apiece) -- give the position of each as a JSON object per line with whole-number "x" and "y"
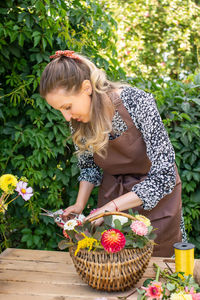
{"x": 89, "y": 171}
{"x": 161, "y": 178}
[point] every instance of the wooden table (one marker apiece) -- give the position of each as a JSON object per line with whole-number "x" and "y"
{"x": 50, "y": 275}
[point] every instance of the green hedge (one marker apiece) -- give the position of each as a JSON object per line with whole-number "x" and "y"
{"x": 158, "y": 38}
{"x": 34, "y": 138}
{"x": 179, "y": 106}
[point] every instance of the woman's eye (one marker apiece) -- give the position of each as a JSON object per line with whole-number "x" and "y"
{"x": 68, "y": 107}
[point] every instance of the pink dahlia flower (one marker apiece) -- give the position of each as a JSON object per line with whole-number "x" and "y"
{"x": 139, "y": 228}
{"x": 113, "y": 240}
{"x": 23, "y": 191}
{"x": 195, "y": 296}
{"x": 154, "y": 290}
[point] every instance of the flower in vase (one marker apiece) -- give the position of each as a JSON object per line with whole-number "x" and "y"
{"x": 69, "y": 225}
{"x": 8, "y": 182}
{"x": 139, "y": 228}
{"x": 113, "y": 240}
{"x": 154, "y": 291}
{"x": 143, "y": 219}
{"x": 180, "y": 296}
{"x": 23, "y": 191}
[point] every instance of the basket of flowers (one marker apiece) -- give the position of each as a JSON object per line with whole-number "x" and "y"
{"x": 113, "y": 256}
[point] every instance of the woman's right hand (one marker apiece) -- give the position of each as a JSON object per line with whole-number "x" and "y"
{"x": 76, "y": 209}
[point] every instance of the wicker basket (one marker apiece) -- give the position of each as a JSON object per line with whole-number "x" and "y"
{"x": 112, "y": 271}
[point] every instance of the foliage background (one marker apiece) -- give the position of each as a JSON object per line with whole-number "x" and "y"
{"x": 154, "y": 45}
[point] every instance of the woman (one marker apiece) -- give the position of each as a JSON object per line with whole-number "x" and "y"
{"x": 117, "y": 129}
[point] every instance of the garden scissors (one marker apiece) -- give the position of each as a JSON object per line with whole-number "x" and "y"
{"x": 56, "y": 215}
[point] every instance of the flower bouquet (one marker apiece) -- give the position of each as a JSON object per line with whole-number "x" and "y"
{"x": 169, "y": 285}
{"x": 111, "y": 257}
{"x": 10, "y": 189}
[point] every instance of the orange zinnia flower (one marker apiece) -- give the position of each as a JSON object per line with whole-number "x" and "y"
{"x": 113, "y": 240}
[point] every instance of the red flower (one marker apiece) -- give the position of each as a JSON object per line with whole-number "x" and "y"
{"x": 113, "y": 240}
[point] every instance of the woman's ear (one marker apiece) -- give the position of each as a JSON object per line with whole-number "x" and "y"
{"x": 86, "y": 87}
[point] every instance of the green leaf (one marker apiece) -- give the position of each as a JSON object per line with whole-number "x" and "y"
{"x": 36, "y": 239}
{"x": 25, "y": 238}
{"x": 36, "y": 40}
{"x": 185, "y": 116}
{"x": 44, "y": 43}
{"x": 147, "y": 282}
{"x": 21, "y": 40}
{"x": 197, "y": 101}
{"x": 117, "y": 224}
{"x": 108, "y": 220}
{"x": 64, "y": 244}
{"x": 171, "y": 287}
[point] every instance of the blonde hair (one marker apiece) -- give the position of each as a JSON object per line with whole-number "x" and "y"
{"x": 69, "y": 74}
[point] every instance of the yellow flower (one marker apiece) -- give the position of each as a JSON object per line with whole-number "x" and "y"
{"x": 180, "y": 296}
{"x": 87, "y": 242}
{"x": 8, "y": 182}
{"x": 143, "y": 219}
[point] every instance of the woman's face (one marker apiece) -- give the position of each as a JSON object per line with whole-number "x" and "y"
{"x": 72, "y": 106}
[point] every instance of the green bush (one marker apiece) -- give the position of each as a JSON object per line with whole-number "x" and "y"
{"x": 158, "y": 38}
{"x": 179, "y": 106}
{"x": 35, "y": 138}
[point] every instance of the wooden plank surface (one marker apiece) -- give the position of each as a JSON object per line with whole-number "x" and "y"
{"x": 50, "y": 275}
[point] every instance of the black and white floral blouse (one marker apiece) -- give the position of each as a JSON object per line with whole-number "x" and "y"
{"x": 161, "y": 178}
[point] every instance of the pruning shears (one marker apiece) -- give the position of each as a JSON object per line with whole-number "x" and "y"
{"x": 56, "y": 215}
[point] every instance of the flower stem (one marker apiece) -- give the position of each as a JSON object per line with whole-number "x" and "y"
{"x": 157, "y": 273}
{"x": 164, "y": 275}
{"x": 12, "y": 200}
{"x": 2, "y": 199}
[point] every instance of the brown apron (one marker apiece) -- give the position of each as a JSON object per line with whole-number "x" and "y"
{"x": 127, "y": 164}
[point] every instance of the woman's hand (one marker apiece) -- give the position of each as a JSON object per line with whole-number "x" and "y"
{"x": 97, "y": 212}
{"x": 76, "y": 209}
{"x": 97, "y": 222}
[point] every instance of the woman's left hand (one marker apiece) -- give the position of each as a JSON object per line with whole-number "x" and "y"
{"x": 97, "y": 222}
{"x": 110, "y": 206}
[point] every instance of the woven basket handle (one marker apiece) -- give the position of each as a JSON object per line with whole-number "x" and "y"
{"x": 110, "y": 213}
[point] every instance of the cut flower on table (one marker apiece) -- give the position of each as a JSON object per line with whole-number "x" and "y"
{"x": 169, "y": 285}
{"x": 113, "y": 235}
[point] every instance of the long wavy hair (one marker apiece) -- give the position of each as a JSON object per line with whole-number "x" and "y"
{"x": 69, "y": 74}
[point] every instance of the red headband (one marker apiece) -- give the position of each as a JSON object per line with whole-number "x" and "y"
{"x": 66, "y": 53}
